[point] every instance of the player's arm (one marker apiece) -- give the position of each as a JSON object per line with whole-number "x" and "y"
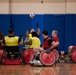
{"x": 28, "y": 42}
{"x": 38, "y": 32}
{"x": 57, "y": 44}
{"x": 20, "y": 41}
{"x": 38, "y": 29}
{"x": 53, "y": 45}
{"x": 27, "y": 33}
{"x": 3, "y": 42}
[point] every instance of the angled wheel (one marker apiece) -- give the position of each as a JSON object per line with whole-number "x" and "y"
{"x": 73, "y": 56}
{"x": 28, "y": 55}
{"x": 2, "y": 54}
{"x": 47, "y": 59}
{"x": 56, "y": 54}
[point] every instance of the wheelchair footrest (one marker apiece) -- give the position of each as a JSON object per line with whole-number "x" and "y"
{"x": 12, "y": 62}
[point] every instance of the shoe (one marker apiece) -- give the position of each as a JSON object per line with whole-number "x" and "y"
{"x": 37, "y": 62}
{"x": 37, "y": 58}
{"x": 31, "y": 62}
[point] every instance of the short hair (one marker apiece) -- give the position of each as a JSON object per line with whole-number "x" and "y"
{"x": 34, "y": 34}
{"x": 45, "y": 32}
{"x": 32, "y": 29}
{"x": 55, "y": 31}
{"x": 10, "y": 31}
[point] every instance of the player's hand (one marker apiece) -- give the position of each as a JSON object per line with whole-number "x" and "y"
{"x": 21, "y": 36}
{"x": 48, "y": 51}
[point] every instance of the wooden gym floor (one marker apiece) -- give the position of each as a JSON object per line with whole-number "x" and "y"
{"x": 60, "y": 69}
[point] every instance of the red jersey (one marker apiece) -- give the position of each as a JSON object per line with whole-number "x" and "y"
{"x": 47, "y": 43}
{"x": 74, "y": 47}
{"x": 55, "y": 39}
{"x": 1, "y": 39}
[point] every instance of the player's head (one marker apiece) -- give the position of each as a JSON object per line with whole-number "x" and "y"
{"x": 54, "y": 33}
{"x": 45, "y": 34}
{"x": 34, "y": 34}
{"x": 32, "y": 30}
{"x": 11, "y": 32}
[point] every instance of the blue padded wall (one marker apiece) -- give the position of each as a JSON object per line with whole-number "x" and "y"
{"x": 55, "y": 22}
{"x": 1, "y": 24}
{"x": 38, "y": 19}
{"x": 58, "y": 24}
{"x": 74, "y": 29}
{"x": 17, "y": 22}
{"x": 4, "y": 23}
{"x": 26, "y": 22}
{"x": 20, "y": 24}
{"x": 48, "y": 23}
{"x": 64, "y": 24}
{"x": 68, "y": 31}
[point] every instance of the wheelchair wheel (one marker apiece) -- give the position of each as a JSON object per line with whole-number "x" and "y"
{"x": 2, "y": 54}
{"x": 56, "y": 54}
{"x": 47, "y": 59}
{"x": 28, "y": 55}
{"x": 73, "y": 56}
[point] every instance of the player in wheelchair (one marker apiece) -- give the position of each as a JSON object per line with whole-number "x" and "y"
{"x": 1, "y": 39}
{"x": 28, "y": 52}
{"x": 47, "y": 46}
{"x": 72, "y": 53}
{"x": 12, "y": 43}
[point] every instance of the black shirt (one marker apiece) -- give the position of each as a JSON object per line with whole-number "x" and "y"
{"x": 49, "y": 41}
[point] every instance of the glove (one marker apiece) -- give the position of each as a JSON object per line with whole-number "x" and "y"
{"x": 21, "y": 37}
{"x": 48, "y": 51}
{"x": 37, "y": 25}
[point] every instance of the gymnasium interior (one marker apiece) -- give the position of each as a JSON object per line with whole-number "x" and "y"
{"x": 21, "y": 15}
